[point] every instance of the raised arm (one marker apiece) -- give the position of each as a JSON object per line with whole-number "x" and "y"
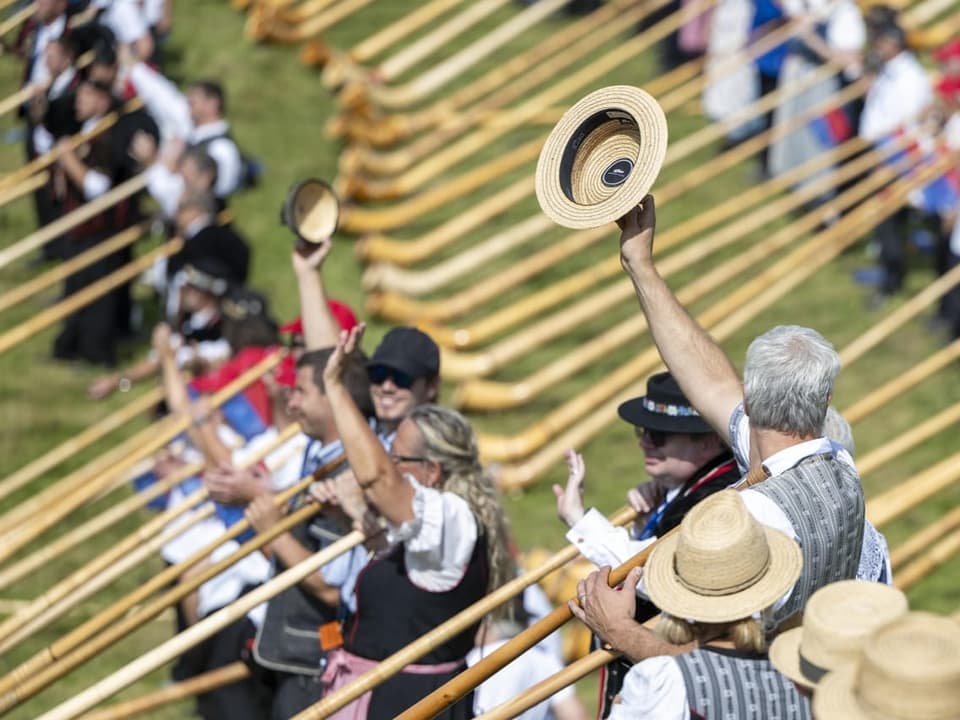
{"x": 384, "y": 486}
{"x": 320, "y": 327}
{"x": 699, "y": 365}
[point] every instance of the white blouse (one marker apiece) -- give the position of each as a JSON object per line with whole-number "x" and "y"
{"x": 439, "y": 541}
{"x": 654, "y": 690}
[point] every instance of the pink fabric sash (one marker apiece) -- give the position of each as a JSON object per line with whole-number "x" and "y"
{"x": 344, "y": 667}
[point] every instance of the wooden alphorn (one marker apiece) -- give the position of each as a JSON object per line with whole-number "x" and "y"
{"x": 32, "y": 183}
{"x": 933, "y": 558}
{"x": 489, "y": 395}
{"x": 261, "y": 25}
{"x": 35, "y": 285}
{"x": 463, "y": 683}
{"x": 87, "y": 295}
{"x": 722, "y": 320}
{"x": 910, "y": 493}
{"x": 197, "y": 685}
{"x": 49, "y": 460}
{"x": 124, "y": 554}
{"x": 411, "y": 653}
{"x": 17, "y": 19}
{"x": 125, "y": 456}
{"x": 201, "y": 631}
{"x": 58, "y": 227}
{"x": 922, "y": 540}
{"x": 113, "y": 624}
{"x": 49, "y": 158}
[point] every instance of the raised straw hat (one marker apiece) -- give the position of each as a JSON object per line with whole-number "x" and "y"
{"x": 836, "y": 622}
{"x": 602, "y": 157}
{"x": 909, "y": 670}
{"x": 312, "y": 210}
{"x": 722, "y": 565}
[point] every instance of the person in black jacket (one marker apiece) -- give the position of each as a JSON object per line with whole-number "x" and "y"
{"x": 686, "y": 461}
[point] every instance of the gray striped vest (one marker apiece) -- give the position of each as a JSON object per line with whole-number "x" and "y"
{"x": 823, "y": 499}
{"x": 727, "y": 685}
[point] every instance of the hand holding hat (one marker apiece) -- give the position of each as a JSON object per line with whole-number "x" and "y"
{"x": 637, "y": 229}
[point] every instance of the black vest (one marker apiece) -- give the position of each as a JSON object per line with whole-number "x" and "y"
{"x": 393, "y": 612}
{"x": 289, "y": 639}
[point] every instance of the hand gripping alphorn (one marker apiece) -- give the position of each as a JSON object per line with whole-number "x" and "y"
{"x": 480, "y": 140}
{"x": 451, "y": 628}
{"x": 470, "y": 678}
{"x": 490, "y": 395}
{"x": 197, "y": 685}
{"x": 49, "y": 158}
{"x": 587, "y": 414}
{"x": 113, "y": 624}
{"x": 202, "y": 630}
{"x": 63, "y": 224}
{"x": 49, "y": 460}
{"x": 122, "y": 555}
{"x": 87, "y": 295}
{"x": 125, "y": 456}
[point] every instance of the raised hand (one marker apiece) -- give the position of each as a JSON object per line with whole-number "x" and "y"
{"x": 636, "y": 234}
{"x": 570, "y": 498}
{"x": 313, "y": 258}
{"x": 348, "y": 342}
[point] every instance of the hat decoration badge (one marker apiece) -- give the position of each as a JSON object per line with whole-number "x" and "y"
{"x": 602, "y": 157}
{"x": 312, "y": 210}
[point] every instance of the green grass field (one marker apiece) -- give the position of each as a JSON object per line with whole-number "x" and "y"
{"x": 279, "y": 110}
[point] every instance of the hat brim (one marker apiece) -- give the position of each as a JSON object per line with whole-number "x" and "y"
{"x": 671, "y": 596}
{"x": 637, "y": 111}
{"x": 785, "y": 656}
{"x": 312, "y": 210}
{"x": 835, "y": 698}
{"x": 633, "y": 412}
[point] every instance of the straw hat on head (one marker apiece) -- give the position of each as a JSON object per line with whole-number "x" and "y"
{"x": 602, "y": 157}
{"x": 836, "y": 622}
{"x": 909, "y": 670}
{"x": 722, "y": 565}
{"x": 311, "y": 210}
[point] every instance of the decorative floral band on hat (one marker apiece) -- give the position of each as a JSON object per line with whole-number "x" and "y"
{"x": 664, "y": 408}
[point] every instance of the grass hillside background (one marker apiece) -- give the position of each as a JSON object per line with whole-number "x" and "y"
{"x": 278, "y": 110}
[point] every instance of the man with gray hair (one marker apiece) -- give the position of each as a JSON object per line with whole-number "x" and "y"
{"x": 773, "y": 421}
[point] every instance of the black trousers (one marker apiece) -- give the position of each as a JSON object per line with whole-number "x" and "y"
{"x": 294, "y": 693}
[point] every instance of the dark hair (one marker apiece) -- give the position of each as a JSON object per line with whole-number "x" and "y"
{"x": 203, "y": 161}
{"x": 212, "y": 89}
{"x": 205, "y": 202}
{"x": 104, "y": 55}
{"x": 354, "y": 376}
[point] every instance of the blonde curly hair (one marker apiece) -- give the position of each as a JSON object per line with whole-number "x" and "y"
{"x": 449, "y": 441}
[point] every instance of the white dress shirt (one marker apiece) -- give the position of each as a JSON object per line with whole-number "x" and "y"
{"x": 224, "y": 152}
{"x": 899, "y": 93}
{"x": 39, "y": 72}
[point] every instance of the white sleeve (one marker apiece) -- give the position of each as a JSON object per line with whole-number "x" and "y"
{"x": 166, "y": 187}
{"x": 95, "y": 184}
{"x": 846, "y": 29}
{"x": 740, "y": 438}
{"x": 165, "y": 103}
{"x": 42, "y": 140}
{"x": 653, "y": 690}
{"x": 603, "y": 543}
{"x": 229, "y": 165}
{"x": 127, "y": 22}
{"x": 439, "y": 541}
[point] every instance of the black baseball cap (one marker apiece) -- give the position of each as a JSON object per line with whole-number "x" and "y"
{"x": 408, "y": 350}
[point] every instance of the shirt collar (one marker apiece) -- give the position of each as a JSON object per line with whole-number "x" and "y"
{"x": 785, "y": 459}
{"x": 209, "y": 130}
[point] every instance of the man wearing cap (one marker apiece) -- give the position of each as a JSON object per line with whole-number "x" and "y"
{"x": 773, "y": 421}
{"x": 404, "y": 370}
{"x": 686, "y": 461}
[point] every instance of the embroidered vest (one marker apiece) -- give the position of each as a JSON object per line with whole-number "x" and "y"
{"x": 823, "y": 499}
{"x": 730, "y": 685}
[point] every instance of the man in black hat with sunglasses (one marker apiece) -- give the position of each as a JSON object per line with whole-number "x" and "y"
{"x": 404, "y": 372}
{"x": 686, "y": 461}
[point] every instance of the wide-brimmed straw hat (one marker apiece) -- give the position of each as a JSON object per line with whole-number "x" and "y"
{"x": 909, "y": 670}
{"x": 837, "y": 621}
{"x": 311, "y": 210}
{"x": 722, "y": 565}
{"x": 602, "y": 157}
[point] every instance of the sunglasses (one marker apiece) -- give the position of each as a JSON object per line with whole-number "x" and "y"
{"x": 378, "y": 375}
{"x": 657, "y": 438}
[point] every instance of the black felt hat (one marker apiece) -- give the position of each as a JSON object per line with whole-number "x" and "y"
{"x": 663, "y": 408}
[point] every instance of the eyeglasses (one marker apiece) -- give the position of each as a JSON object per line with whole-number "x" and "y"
{"x": 657, "y": 438}
{"x": 397, "y": 459}
{"x": 378, "y": 375}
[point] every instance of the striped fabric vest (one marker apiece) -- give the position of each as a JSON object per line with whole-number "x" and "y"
{"x": 729, "y": 685}
{"x": 823, "y": 499}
